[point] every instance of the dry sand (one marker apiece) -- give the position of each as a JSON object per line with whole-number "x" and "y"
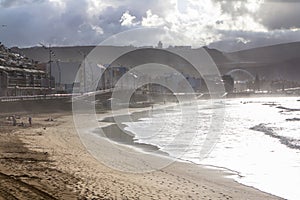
{"x": 49, "y": 161}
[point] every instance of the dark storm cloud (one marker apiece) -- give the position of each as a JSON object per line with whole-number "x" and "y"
{"x": 32, "y": 21}
{"x": 274, "y": 14}
{"x": 280, "y": 14}
{"x": 29, "y": 24}
{"x": 11, "y": 3}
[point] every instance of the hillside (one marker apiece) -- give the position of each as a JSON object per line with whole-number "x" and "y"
{"x": 268, "y": 54}
{"x": 280, "y": 61}
{"x": 272, "y": 62}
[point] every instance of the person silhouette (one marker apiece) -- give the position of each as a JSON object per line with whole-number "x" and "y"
{"x": 30, "y": 120}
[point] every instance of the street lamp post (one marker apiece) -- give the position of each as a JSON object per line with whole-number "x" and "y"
{"x": 50, "y": 60}
{"x": 50, "y": 63}
{"x": 59, "y": 71}
{"x": 84, "y": 70}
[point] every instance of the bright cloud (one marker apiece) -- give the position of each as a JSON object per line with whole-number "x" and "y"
{"x": 201, "y": 21}
{"x": 127, "y": 19}
{"x": 253, "y": 5}
{"x": 98, "y": 30}
{"x": 152, "y": 20}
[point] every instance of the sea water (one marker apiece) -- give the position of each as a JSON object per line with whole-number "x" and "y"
{"x": 257, "y": 137}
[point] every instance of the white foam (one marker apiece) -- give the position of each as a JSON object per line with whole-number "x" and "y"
{"x": 263, "y": 162}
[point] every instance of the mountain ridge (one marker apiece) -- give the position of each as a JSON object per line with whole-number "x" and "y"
{"x": 273, "y": 62}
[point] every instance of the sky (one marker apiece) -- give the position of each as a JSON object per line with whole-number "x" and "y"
{"x": 228, "y": 25}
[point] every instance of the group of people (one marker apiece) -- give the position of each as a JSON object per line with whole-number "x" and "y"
{"x": 14, "y": 121}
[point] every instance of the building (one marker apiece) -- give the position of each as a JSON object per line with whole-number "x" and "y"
{"x": 20, "y": 76}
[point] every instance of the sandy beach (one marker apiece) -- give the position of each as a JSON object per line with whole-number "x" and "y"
{"x": 49, "y": 161}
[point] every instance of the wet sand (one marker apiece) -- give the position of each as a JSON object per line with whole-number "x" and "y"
{"x": 48, "y": 161}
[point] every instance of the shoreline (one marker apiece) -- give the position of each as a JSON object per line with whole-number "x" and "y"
{"x": 113, "y": 132}
{"x": 88, "y": 178}
{"x": 150, "y": 148}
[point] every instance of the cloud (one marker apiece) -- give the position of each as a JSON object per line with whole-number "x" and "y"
{"x": 226, "y": 24}
{"x": 280, "y": 15}
{"x": 127, "y": 19}
{"x": 14, "y": 3}
{"x": 201, "y": 21}
{"x": 53, "y": 21}
{"x": 152, "y": 20}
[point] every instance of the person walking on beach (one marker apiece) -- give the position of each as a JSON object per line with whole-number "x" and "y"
{"x": 29, "y": 120}
{"x": 14, "y": 121}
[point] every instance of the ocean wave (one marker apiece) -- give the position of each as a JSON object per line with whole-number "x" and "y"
{"x": 293, "y": 119}
{"x": 288, "y": 109}
{"x": 287, "y": 141}
{"x": 271, "y": 104}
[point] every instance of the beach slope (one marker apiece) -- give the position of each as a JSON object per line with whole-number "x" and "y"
{"x": 49, "y": 161}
